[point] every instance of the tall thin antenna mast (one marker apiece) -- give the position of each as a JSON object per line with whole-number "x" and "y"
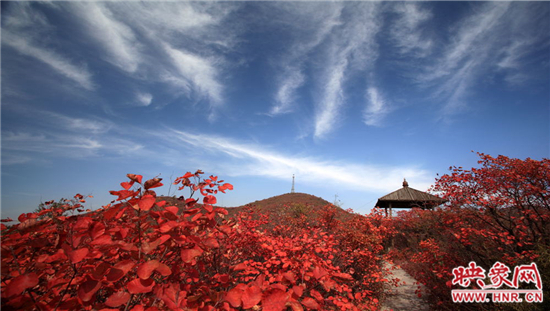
{"x": 292, "y": 190}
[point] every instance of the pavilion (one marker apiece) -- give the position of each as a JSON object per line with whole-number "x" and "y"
{"x": 407, "y": 197}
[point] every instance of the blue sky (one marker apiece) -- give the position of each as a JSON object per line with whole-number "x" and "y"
{"x": 351, "y": 97}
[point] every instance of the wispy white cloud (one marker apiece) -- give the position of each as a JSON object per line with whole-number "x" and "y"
{"x": 118, "y": 39}
{"x": 286, "y": 94}
{"x": 57, "y": 143}
{"x": 309, "y": 25}
{"x": 51, "y": 134}
{"x": 352, "y": 48}
{"x": 144, "y": 99}
{"x": 198, "y": 72}
{"x": 406, "y": 31}
{"x": 56, "y": 61}
{"x": 63, "y": 122}
{"x": 166, "y": 19}
{"x": 332, "y": 100}
{"x": 331, "y": 42}
{"x": 256, "y": 160}
{"x": 497, "y": 35}
{"x": 22, "y": 17}
{"x": 180, "y": 44}
{"x": 376, "y": 107}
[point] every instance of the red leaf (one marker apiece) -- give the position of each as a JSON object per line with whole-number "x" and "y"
{"x": 296, "y": 306}
{"x": 298, "y": 290}
{"x": 77, "y": 255}
{"x": 188, "y": 255}
{"x": 310, "y": 303}
{"x": 226, "y": 186}
{"x": 146, "y": 202}
{"x": 318, "y": 272}
{"x": 117, "y": 299}
{"x": 102, "y": 240}
{"x": 275, "y": 300}
{"x": 167, "y": 226}
{"x": 139, "y": 286}
{"x": 163, "y": 269}
{"x": 125, "y": 265}
{"x": 135, "y": 178}
{"x": 153, "y": 183}
{"x": 59, "y": 255}
{"x": 315, "y": 294}
{"x": 251, "y": 296}
{"x": 109, "y": 213}
{"x": 21, "y": 283}
{"x": 122, "y": 194}
{"x": 99, "y": 271}
{"x": 120, "y": 270}
{"x": 289, "y": 275}
{"x": 146, "y": 269}
{"x": 240, "y": 266}
{"x": 87, "y": 289}
{"x": 209, "y": 199}
{"x": 234, "y": 295}
{"x": 126, "y": 185}
{"x": 212, "y": 243}
{"x": 114, "y": 275}
{"x": 173, "y": 209}
{"x": 98, "y": 230}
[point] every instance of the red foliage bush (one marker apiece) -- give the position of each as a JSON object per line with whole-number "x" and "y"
{"x": 138, "y": 253}
{"x": 499, "y": 212}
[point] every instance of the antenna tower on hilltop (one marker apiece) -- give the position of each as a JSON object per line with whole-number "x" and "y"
{"x": 292, "y": 190}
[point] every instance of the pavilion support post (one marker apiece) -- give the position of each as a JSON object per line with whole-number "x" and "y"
{"x": 392, "y": 239}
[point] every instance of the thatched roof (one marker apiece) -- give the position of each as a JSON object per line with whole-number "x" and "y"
{"x": 407, "y": 197}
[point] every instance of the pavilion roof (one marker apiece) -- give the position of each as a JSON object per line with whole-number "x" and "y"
{"x": 407, "y": 197}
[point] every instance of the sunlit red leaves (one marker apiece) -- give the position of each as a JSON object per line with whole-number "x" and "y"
{"x": 135, "y": 178}
{"x": 78, "y": 255}
{"x": 319, "y": 272}
{"x": 275, "y": 300}
{"x": 147, "y": 268}
{"x": 126, "y": 185}
{"x": 209, "y": 199}
{"x": 139, "y": 286}
{"x": 19, "y": 284}
{"x": 148, "y": 247}
{"x": 119, "y": 298}
{"x": 251, "y": 296}
{"x": 188, "y": 255}
{"x": 161, "y": 254}
{"x": 234, "y": 295}
{"x": 172, "y": 296}
{"x": 153, "y": 183}
{"x": 102, "y": 240}
{"x": 146, "y": 202}
{"x": 310, "y": 303}
{"x": 211, "y": 243}
{"x": 226, "y": 186}
{"x": 122, "y": 194}
{"x": 243, "y": 295}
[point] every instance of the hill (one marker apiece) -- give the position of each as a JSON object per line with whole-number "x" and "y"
{"x": 292, "y": 205}
{"x": 288, "y": 204}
